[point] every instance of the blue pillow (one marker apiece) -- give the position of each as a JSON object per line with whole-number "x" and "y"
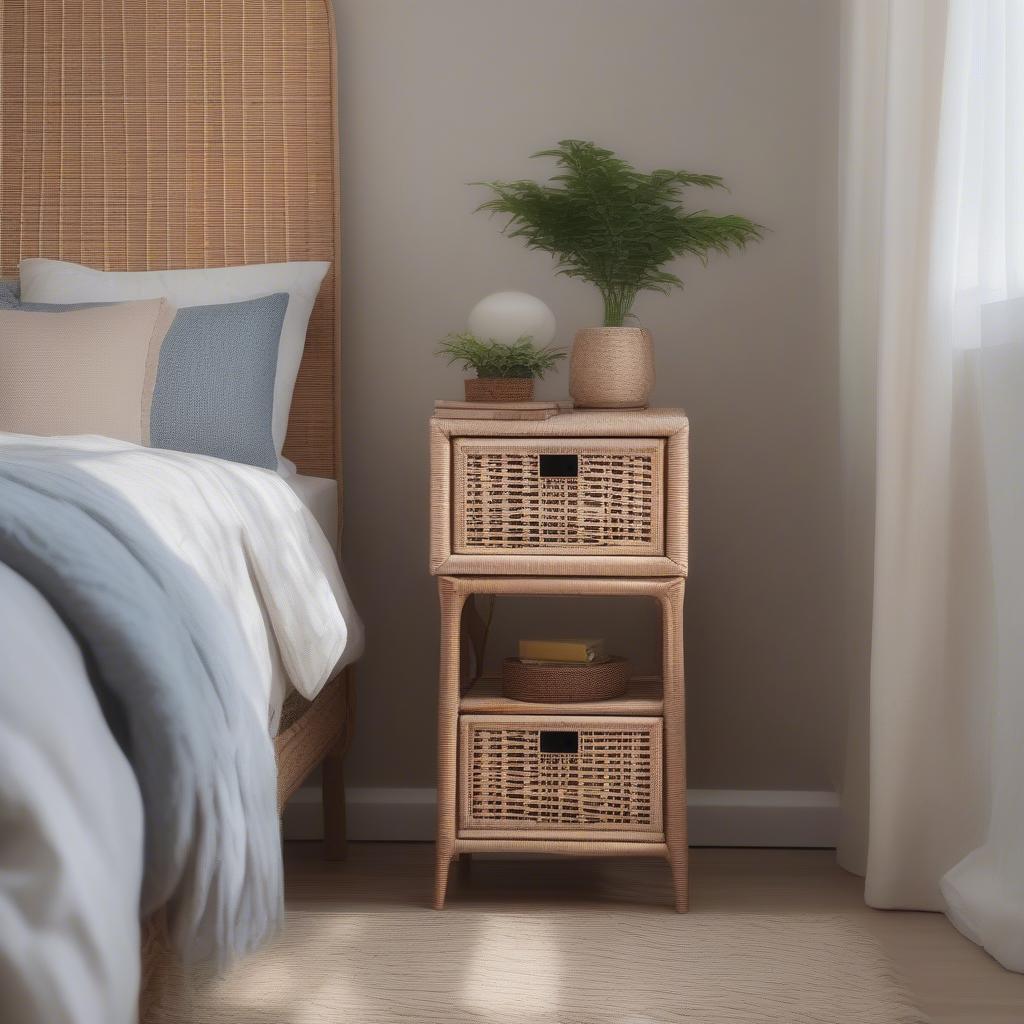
{"x": 10, "y": 293}
{"x": 214, "y": 392}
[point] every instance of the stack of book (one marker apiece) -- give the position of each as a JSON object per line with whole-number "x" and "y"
{"x": 562, "y": 652}
{"x": 452, "y": 410}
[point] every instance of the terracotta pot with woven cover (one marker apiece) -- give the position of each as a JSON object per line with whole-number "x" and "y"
{"x": 611, "y": 368}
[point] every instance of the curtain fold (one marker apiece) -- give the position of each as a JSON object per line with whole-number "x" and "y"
{"x": 984, "y": 892}
{"x": 932, "y": 261}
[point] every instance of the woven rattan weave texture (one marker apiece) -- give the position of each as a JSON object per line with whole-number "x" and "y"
{"x": 156, "y": 134}
{"x": 606, "y": 782}
{"x": 609, "y": 778}
{"x": 528, "y": 495}
{"x": 522, "y": 789}
{"x": 564, "y": 684}
{"x": 501, "y": 503}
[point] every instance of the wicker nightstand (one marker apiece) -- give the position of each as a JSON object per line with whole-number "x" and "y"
{"x": 585, "y": 503}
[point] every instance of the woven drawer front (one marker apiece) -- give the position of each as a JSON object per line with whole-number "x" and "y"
{"x": 587, "y": 496}
{"x": 560, "y": 773}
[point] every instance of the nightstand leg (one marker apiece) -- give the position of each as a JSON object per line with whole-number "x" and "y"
{"x": 441, "y": 873}
{"x": 447, "y": 732}
{"x": 678, "y": 863}
{"x": 675, "y": 745}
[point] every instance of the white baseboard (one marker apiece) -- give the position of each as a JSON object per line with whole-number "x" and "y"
{"x": 718, "y": 817}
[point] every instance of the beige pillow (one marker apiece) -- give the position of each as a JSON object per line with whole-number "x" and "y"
{"x": 87, "y": 371}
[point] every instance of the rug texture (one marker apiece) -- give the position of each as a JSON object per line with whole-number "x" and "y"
{"x": 396, "y": 966}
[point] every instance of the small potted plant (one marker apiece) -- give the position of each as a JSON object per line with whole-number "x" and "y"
{"x": 504, "y": 373}
{"x": 616, "y": 227}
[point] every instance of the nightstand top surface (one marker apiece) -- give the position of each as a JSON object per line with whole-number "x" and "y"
{"x": 575, "y": 423}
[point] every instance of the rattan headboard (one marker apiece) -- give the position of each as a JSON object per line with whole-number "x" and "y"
{"x": 148, "y": 134}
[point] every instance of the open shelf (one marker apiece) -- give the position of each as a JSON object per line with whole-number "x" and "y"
{"x": 643, "y": 698}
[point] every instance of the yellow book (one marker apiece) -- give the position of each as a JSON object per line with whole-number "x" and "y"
{"x": 580, "y": 652}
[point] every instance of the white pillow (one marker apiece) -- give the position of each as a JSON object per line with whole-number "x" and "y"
{"x": 55, "y": 281}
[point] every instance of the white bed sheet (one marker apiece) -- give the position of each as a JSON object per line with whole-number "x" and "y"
{"x": 320, "y": 496}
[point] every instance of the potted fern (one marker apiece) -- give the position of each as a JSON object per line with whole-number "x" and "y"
{"x": 504, "y": 373}
{"x": 607, "y": 223}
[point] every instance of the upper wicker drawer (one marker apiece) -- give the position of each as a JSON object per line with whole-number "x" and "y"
{"x": 558, "y": 497}
{"x": 569, "y": 496}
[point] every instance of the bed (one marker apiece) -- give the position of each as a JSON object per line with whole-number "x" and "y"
{"x": 153, "y": 134}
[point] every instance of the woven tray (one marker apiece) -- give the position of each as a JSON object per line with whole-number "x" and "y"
{"x": 564, "y": 684}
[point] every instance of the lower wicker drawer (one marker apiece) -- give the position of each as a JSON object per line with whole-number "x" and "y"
{"x": 560, "y": 775}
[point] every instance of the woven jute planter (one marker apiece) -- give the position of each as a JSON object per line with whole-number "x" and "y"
{"x": 564, "y": 684}
{"x": 611, "y": 368}
{"x": 499, "y": 389}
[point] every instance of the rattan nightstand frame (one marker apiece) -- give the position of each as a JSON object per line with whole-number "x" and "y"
{"x": 463, "y": 577}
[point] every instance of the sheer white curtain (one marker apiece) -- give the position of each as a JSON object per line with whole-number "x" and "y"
{"x": 932, "y": 362}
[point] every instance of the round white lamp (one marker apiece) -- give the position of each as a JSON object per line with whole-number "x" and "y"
{"x": 507, "y": 316}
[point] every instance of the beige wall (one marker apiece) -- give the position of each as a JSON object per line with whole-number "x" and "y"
{"x": 436, "y": 93}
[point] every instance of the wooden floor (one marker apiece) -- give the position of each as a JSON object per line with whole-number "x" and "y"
{"x": 953, "y": 980}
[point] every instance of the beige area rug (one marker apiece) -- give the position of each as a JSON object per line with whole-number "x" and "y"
{"x": 568, "y": 966}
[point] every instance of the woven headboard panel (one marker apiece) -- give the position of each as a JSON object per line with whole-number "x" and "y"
{"x": 149, "y": 134}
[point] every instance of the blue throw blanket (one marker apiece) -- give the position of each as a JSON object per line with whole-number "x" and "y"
{"x": 166, "y": 660}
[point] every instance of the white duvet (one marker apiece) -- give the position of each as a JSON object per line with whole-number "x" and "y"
{"x": 70, "y": 813}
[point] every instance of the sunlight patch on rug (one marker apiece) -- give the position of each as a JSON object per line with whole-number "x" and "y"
{"x": 472, "y": 965}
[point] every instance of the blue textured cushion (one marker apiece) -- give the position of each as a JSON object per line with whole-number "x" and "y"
{"x": 214, "y": 391}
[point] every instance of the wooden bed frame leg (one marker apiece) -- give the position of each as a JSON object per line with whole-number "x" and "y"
{"x": 333, "y": 786}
